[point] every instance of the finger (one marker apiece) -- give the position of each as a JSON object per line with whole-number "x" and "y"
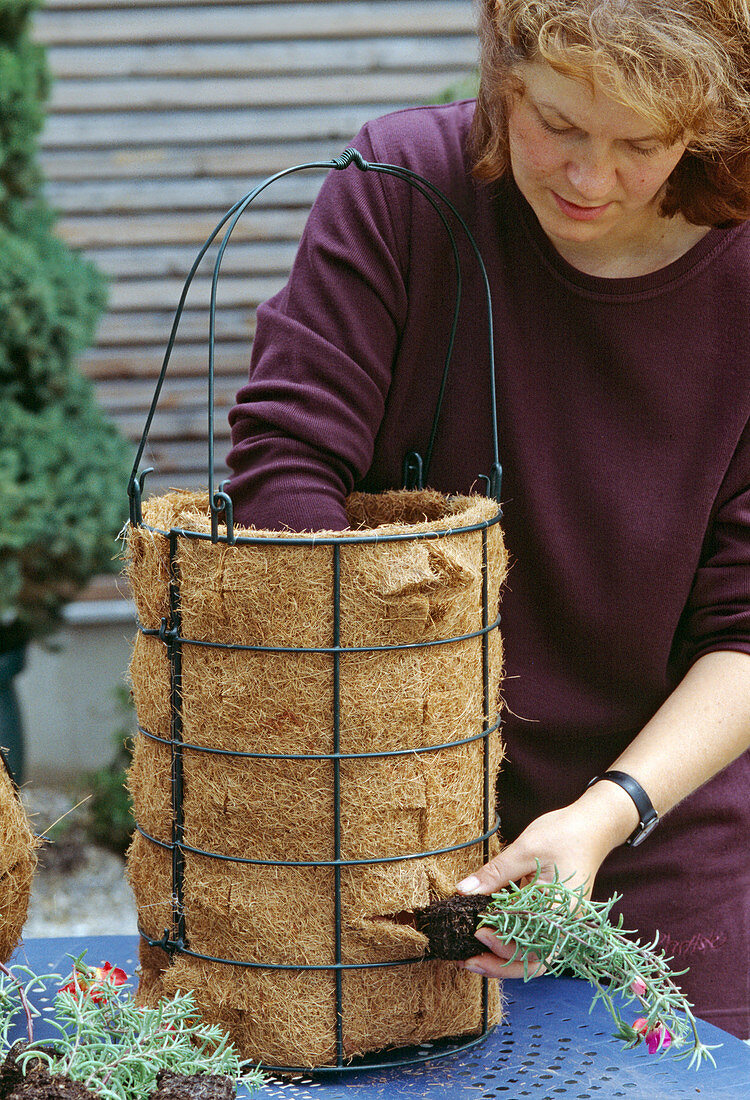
{"x": 507, "y": 951}
{"x": 489, "y": 939}
{"x": 509, "y": 866}
{"x": 490, "y": 966}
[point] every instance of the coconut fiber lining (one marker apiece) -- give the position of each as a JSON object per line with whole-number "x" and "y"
{"x": 17, "y": 865}
{"x": 392, "y": 593}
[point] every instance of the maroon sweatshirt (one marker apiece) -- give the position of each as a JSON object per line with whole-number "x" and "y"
{"x": 623, "y": 409}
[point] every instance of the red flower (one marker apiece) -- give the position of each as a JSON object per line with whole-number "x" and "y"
{"x": 657, "y": 1038}
{"x": 92, "y": 980}
{"x": 112, "y": 974}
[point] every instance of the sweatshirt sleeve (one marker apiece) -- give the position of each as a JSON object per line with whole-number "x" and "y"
{"x": 304, "y": 425}
{"x": 718, "y": 612}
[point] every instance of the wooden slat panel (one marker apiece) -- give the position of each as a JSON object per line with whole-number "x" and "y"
{"x": 157, "y": 162}
{"x": 240, "y": 22}
{"x": 231, "y": 59}
{"x": 171, "y": 457}
{"x": 184, "y": 478}
{"x": 120, "y": 397}
{"x": 164, "y": 114}
{"x": 162, "y": 293}
{"x": 238, "y": 259}
{"x": 152, "y": 326}
{"x": 335, "y": 123}
{"x": 122, "y": 197}
{"x": 98, "y": 6}
{"x": 106, "y": 5}
{"x": 180, "y": 423}
{"x": 95, "y": 230}
{"x": 203, "y": 93}
{"x": 113, "y": 366}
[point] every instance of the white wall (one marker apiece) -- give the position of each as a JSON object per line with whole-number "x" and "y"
{"x": 68, "y": 695}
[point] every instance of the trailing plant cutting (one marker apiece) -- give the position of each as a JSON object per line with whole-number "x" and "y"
{"x": 554, "y": 925}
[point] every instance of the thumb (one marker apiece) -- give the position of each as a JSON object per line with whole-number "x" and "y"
{"x": 511, "y": 865}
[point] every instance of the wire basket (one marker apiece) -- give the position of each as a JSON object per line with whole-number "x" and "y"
{"x": 318, "y": 743}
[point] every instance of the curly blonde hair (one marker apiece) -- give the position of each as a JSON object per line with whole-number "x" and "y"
{"x": 683, "y": 65}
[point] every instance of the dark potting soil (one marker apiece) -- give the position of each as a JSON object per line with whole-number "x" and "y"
{"x": 10, "y": 1071}
{"x": 450, "y": 926}
{"x": 38, "y": 1084}
{"x": 176, "y": 1086}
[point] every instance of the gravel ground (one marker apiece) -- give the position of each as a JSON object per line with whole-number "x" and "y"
{"x": 79, "y": 888}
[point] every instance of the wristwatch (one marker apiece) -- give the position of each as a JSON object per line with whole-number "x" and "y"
{"x": 646, "y": 812}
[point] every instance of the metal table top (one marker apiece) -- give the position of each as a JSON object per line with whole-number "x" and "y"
{"x": 548, "y": 1047}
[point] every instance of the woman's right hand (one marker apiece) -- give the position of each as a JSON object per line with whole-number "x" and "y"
{"x": 572, "y": 842}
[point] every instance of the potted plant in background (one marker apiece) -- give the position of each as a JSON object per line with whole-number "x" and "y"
{"x": 60, "y": 460}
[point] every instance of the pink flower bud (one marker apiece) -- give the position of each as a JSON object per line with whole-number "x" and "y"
{"x": 638, "y": 987}
{"x": 657, "y": 1038}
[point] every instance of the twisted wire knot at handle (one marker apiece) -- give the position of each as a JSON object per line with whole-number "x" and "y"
{"x": 350, "y": 156}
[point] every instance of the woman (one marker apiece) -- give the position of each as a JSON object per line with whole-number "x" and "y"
{"x": 605, "y": 173}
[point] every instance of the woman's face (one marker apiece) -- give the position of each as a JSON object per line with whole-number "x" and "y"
{"x": 592, "y": 169}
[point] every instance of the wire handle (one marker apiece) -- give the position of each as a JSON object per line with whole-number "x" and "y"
{"x": 416, "y": 468}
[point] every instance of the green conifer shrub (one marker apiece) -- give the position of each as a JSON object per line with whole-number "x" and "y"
{"x": 63, "y": 466}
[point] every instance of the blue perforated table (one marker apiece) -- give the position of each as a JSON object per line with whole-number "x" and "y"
{"x": 548, "y": 1047}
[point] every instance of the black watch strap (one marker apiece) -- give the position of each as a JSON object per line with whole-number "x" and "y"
{"x": 646, "y": 812}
